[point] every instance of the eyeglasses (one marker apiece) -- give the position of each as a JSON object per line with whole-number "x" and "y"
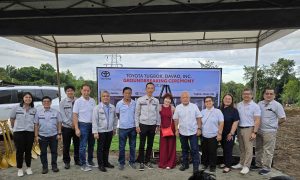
{"x": 269, "y": 93}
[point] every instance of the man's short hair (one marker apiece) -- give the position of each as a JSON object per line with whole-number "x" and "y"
{"x": 105, "y": 92}
{"x": 69, "y": 87}
{"x": 86, "y": 85}
{"x": 47, "y": 97}
{"x": 150, "y": 83}
{"x": 126, "y": 88}
{"x": 268, "y": 88}
{"x": 248, "y": 89}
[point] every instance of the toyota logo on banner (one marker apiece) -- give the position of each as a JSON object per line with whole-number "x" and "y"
{"x": 105, "y": 74}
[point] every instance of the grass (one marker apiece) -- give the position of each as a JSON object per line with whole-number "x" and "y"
{"x": 115, "y": 144}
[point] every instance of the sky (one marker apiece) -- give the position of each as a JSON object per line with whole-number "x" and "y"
{"x": 232, "y": 61}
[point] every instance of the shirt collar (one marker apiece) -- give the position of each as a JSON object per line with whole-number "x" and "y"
{"x": 104, "y": 105}
{"x": 148, "y": 98}
{"x": 69, "y": 99}
{"x": 50, "y": 110}
{"x": 248, "y": 103}
{"x": 210, "y": 109}
{"x": 123, "y": 102}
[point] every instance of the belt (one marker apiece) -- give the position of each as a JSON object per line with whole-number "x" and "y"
{"x": 245, "y": 127}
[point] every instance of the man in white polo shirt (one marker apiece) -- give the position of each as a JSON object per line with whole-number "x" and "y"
{"x": 82, "y": 120}
{"x": 272, "y": 114}
{"x": 249, "y": 123}
{"x": 187, "y": 118}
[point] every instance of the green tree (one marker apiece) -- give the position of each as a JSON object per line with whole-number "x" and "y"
{"x": 291, "y": 92}
{"x": 275, "y": 76}
{"x": 208, "y": 64}
{"x": 233, "y": 88}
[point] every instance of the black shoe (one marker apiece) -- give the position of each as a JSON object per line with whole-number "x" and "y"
{"x": 204, "y": 167}
{"x": 195, "y": 170}
{"x": 55, "y": 169}
{"x": 108, "y": 165}
{"x": 183, "y": 167}
{"x": 254, "y": 168}
{"x": 149, "y": 165}
{"x": 45, "y": 171}
{"x": 67, "y": 166}
{"x": 213, "y": 170}
{"x": 102, "y": 168}
{"x": 77, "y": 163}
{"x": 142, "y": 167}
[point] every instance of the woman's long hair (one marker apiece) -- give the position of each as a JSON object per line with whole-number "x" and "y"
{"x": 22, "y": 102}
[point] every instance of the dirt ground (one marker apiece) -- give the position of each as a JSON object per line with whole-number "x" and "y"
{"x": 287, "y": 152}
{"x": 286, "y": 160}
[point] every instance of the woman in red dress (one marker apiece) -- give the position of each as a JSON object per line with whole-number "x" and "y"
{"x": 167, "y": 146}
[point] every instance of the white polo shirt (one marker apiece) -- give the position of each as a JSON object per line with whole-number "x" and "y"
{"x": 210, "y": 122}
{"x": 186, "y": 116}
{"x": 84, "y": 109}
{"x": 247, "y": 112}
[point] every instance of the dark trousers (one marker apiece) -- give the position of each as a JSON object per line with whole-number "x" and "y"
{"x": 86, "y": 138}
{"x": 147, "y": 132}
{"x": 209, "y": 151}
{"x": 68, "y": 134}
{"x": 125, "y": 134}
{"x": 52, "y": 143}
{"x": 193, "y": 148}
{"x": 23, "y": 141}
{"x": 227, "y": 150}
{"x": 103, "y": 146}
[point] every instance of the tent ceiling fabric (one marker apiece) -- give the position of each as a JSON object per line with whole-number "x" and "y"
{"x": 152, "y": 42}
{"x": 141, "y": 26}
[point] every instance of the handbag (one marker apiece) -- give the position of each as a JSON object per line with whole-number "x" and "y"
{"x": 166, "y": 132}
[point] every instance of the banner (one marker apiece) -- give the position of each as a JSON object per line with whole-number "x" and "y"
{"x": 198, "y": 82}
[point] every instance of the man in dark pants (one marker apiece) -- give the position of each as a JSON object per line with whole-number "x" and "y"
{"x": 104, "y": 125}
{"x": 47, "y": 132}
{"x": 147, "y": 121}
{"x": 68, "y": 132}
{"x": 187, "y": 118}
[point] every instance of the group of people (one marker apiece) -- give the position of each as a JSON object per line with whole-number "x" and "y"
{"x": 81, "y": 121}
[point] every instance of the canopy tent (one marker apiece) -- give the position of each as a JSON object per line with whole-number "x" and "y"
{"x": 152, "y": 42}
{"x": 147, "y": 26}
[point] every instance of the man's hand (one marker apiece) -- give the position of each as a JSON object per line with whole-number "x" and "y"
{"x": 138, "y": 130}
{"x": 229, "y": 137}
{"x": 96, "y": 135}
{"x": 59, "y": 137}
{"x": 219, "y": 137}
{"x": 77, "y": 132}
{"x": 198, "y": 132}
{"x": 36, "y": 139}
{"x": 157, "y": 129}
{"x": 177, "y": 133}
{"x": 253, "y": 136}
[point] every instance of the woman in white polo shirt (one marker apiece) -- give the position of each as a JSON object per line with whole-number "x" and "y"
{"x": 212, "y": 127}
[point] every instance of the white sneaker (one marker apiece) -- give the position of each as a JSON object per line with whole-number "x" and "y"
{"x": 28, "y": 171}
{"x": 20, "y": 172}
{"x": 245, "y": 170}
{"x": 238, "y": 166}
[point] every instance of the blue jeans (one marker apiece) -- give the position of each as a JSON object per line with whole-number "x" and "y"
{"x": 193, "y": 148}
{"x": 123, "y": 135}
{"x": 86, "y": 138}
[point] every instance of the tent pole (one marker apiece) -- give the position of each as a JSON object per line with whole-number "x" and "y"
{"x": 57, "y": 70}
{"x": 255, "y": 71}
